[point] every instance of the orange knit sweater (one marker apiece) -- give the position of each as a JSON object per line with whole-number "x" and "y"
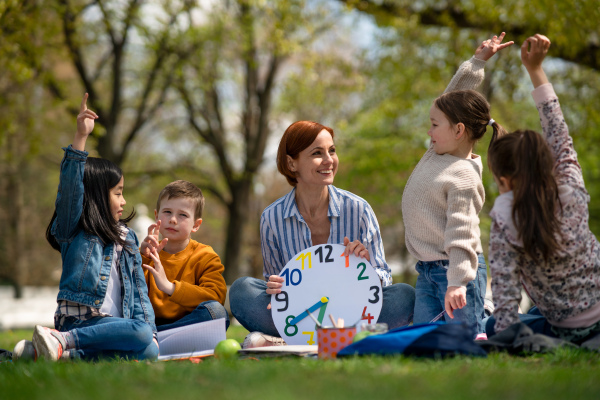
{"x": 197, "y": 272}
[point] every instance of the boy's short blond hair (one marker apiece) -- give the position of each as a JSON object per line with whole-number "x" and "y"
{"x": 183, "y": 189}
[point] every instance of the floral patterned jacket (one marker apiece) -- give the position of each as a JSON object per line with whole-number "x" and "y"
{"x": 569, "y": 283}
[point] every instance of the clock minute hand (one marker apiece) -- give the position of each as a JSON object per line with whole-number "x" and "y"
{"x": 312, "y": 308}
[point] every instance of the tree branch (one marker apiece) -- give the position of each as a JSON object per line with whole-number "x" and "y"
{"x": 68, "y": 21}
{"x": 207, "y": 134}
{"x": 587, "y": 54}
{"x": 107, "y": 24}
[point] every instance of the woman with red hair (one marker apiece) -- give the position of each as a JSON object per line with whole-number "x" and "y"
{"x": 313, "y": 212}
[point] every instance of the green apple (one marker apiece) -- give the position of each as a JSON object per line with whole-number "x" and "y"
{"x": 361, "y": 335}
{"x": 227, "y": 349}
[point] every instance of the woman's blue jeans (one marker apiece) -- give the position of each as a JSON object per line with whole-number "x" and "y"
{"x": 248, "y": 299}
{"x": 431, "y": 287}
{"x": 110, "y": 337}
{"x": 206, "y": 311}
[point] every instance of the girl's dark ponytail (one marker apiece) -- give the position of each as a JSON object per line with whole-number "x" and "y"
{"x": 523, "y": 157}
{"x": 49, "y": 236}
{"x": 498, "y": 132}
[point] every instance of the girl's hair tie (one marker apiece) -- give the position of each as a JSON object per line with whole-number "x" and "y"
{"x": 491, "y": 122}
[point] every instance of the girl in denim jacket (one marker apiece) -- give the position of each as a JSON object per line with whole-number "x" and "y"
{"x": 103, "y": 306}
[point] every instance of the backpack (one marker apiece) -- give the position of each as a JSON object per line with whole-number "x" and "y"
{"x": 436, "y": 339}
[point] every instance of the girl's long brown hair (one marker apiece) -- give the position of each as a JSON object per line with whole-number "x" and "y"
{"x": 524, "y": 158}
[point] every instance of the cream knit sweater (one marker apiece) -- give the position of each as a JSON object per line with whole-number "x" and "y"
{"x": 442, "y": 200}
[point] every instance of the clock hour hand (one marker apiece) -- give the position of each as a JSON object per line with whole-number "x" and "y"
{"x": 312, "y": 308}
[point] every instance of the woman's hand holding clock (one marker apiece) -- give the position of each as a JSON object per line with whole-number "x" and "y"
{"x": 274, "y": 286}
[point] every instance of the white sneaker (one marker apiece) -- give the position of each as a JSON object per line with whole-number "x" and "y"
{"x": 24, "y": 350}
{"x": 48, "y": 343}
{"x": 259, "y": 339}
{"x": 488, "y": 307}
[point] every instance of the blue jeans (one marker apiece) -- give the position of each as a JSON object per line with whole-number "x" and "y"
{"x": 248, "y": 299}
{"x": 206, "y": 311}
{"x": 109, "y": 337}
{"x": 431, "y": 287}
{"x": 533, "y": 319}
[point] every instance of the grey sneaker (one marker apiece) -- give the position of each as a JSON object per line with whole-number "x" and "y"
{"x": 24, "y": 350}
{"x": 48, "y": 343}
{"x": 259, "y": 339}
{"x": 488, "y": 307}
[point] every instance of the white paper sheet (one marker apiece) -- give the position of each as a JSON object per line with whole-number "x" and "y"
{"x": 192, "y": 340}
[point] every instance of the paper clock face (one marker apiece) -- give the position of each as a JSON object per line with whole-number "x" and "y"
{"x": 325, "y": 282}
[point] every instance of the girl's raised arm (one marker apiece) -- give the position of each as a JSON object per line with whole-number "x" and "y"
{"x": 85, "y": 124}
{"x": 555, "y": 129}
{"x": 470, "y": 74}
{"x": 533, "y": 52}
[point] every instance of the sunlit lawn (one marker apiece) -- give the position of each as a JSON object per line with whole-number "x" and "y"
{"x": 567, "y": 374}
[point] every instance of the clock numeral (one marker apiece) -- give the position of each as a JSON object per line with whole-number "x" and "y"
{"x": 368, "y": 316}
{"x": 347, "y": 259}
{"x": 304, "y": 256}
{"x": 360, "y": 276}
{"x": 319, "y": 252}
{"x": 289, "y": 277}
{"x": 287, "y": 325}
{"x": 311, "y": 339}
{"x": 375, "y": 293}
{"x": 285, "y": 298}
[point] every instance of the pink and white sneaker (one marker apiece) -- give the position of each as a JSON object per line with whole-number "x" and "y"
{"x": 48, "y": 343}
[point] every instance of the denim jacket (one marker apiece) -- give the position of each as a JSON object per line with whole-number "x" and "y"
{"x": 86, "y": 261}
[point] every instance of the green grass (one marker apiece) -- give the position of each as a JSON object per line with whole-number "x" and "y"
{"x": 566, "y": 374}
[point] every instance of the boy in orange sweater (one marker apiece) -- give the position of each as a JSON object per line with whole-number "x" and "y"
{"x": 184, "y": 277}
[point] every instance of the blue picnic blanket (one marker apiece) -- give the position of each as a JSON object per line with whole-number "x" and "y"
{"x": 424, "y": 340}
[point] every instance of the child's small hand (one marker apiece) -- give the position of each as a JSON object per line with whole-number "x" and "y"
{"x": 85, "y": 119}
{"x": 160, "y": 277}
{"x": 85, "y": 125}
{"x": 456, "y": 297}
{"x": 491, "y": 46}
{"x": 151, "y": 241}
{"x": 357, "y": 248}
{"x": 534, "y": 50}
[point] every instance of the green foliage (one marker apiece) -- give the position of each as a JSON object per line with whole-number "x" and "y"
{"x": 410, "y": 65}
{"x": 567, "y": 373}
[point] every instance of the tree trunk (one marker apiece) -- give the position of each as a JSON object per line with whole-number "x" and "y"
{"x": 238, "y": 216}
{"x": 15, "y": 249}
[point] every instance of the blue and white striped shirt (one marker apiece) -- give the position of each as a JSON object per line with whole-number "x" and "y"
{"x": 284, "y": 233}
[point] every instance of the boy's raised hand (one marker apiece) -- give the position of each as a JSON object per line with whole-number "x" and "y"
{"x": 151, "y": 241}
{"x": 491, "y": 46}
{"x": 160, "y": 277}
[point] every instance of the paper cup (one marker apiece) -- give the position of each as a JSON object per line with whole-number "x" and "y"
{"x": 332, "y": 340}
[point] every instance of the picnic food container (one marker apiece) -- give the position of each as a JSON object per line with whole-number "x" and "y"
{"x": 332, "y": 340}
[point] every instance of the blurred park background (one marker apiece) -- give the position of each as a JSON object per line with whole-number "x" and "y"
{"x": 203, "y": 90}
